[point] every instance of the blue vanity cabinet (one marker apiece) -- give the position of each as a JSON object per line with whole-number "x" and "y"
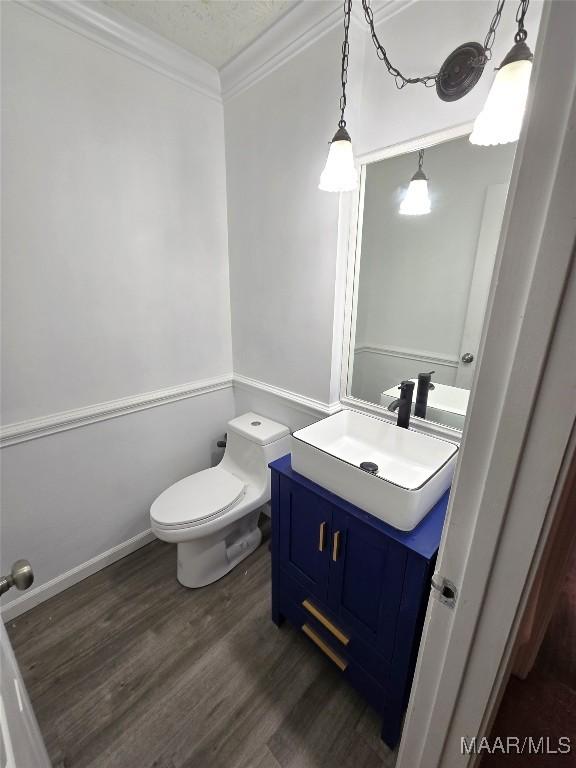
{"x": 305, "y": 526}
{"x": 366, "y": 577}
{"x": 355, "y": 586}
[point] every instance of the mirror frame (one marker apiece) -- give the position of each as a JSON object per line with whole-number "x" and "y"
{"x": 351, "y": 216}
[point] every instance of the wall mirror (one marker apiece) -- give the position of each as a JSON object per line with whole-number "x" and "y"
{"x": 423, "y": 264}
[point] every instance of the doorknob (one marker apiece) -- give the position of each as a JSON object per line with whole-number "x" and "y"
{"x": 467, "y": 357}
{"x": 21, "y": 576}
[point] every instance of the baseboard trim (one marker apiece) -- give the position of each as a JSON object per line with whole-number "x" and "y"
{"x": 37, "y": 595}
{"x": 31, "y": 429}
{"x": 301, "y": 402}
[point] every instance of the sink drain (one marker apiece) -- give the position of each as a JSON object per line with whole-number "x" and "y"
{"x": 369, "y": 466}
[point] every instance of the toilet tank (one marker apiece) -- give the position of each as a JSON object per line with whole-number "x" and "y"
{"x": 253, "y": 442}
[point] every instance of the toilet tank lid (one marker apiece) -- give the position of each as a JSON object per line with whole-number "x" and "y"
{"x": 257, "y": 428}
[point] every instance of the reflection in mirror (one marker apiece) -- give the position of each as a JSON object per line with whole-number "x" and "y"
{"x": 424, "y": 278}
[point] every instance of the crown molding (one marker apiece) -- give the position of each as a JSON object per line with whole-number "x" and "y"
{"x": 384, "y": 10}
{"x": 31, "y": 429}
{"x": 291, "y": 34}
{"x": 300, "y": 28}
{"x": 120, "y": 34}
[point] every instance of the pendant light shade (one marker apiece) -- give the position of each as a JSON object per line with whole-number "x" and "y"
{"x": 501, "y": 119}
{"x": 416, "y": 201}
{"x": 339, "y": 174}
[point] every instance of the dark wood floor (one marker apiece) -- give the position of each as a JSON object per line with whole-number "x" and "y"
{"x": 544, "y": 704}
{"x": 557, "y": 655}
{"x": 130, "y": 670}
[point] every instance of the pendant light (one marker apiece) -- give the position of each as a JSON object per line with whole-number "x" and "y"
{"x": 339, "y": 174}
{"x": 416, "y": 201}
{"x": 501, "y": 119}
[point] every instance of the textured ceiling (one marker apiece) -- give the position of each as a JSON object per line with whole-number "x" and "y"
{"x": 214, "y": 30}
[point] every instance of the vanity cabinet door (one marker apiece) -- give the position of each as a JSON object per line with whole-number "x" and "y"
{"x": 366, "y": 580}
{"x": 305, "y": 525}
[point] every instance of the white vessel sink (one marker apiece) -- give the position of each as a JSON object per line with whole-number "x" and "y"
{"x": 414, "y": 470}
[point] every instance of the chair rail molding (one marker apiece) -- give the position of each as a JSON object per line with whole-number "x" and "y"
{"x": 120, "y": 34}
{"x": 20, "y": 432}
{"x": 31, "y": 429}
{"x": 408, "y": 354}
{"x": 302, "y": 403}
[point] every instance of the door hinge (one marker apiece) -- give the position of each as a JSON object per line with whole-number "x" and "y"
{"x": 447, "y": 592}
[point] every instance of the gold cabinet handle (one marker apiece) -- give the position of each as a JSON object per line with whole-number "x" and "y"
{"x": 325, "y": 648}
{"x": 319, "y": 616}
{"x": 322, "y": 537}
{"x": 336, "y": 546}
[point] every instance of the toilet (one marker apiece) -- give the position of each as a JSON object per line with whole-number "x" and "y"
{"x": 212, "y": 515}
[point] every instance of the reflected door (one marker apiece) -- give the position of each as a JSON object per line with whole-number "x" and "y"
{"x": 489, "y": 235}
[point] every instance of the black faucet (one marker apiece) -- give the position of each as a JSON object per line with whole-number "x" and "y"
{"x": 424, "y": 386}
{"x": 403, "y": 404}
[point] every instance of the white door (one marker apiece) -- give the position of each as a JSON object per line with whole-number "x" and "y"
{"x": 490, "y": 228}
{"x": 21, "y": 744}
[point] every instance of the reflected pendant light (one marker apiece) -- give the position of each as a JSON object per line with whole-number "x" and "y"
{"x": 339, "y": 174}
{"x": 416, "y": 201}
{"x": 501, "y": 119}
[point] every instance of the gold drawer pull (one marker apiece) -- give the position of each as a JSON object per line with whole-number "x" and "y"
{"x": 340, "y": 663}
{"x": 322, "y": 537}
{"x": 338, "y": 634}
{"x": 336, "y": 546}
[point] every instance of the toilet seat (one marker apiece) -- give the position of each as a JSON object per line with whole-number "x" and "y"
{"x": 197, "y": 498}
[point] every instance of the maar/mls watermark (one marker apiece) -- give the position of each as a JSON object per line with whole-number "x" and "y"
{"x": 515, "y": 745}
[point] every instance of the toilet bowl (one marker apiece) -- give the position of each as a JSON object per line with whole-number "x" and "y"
{"x": 212, "y": 515}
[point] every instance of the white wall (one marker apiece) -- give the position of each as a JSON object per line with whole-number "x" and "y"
{"x": 116, "y": 283}
{"x": 115, "y": 239}
{"x": 415, "y": 271}
{"x": 282, "y": 229}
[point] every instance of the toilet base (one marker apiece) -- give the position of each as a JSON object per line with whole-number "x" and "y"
{"x": 203, "y": 561}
